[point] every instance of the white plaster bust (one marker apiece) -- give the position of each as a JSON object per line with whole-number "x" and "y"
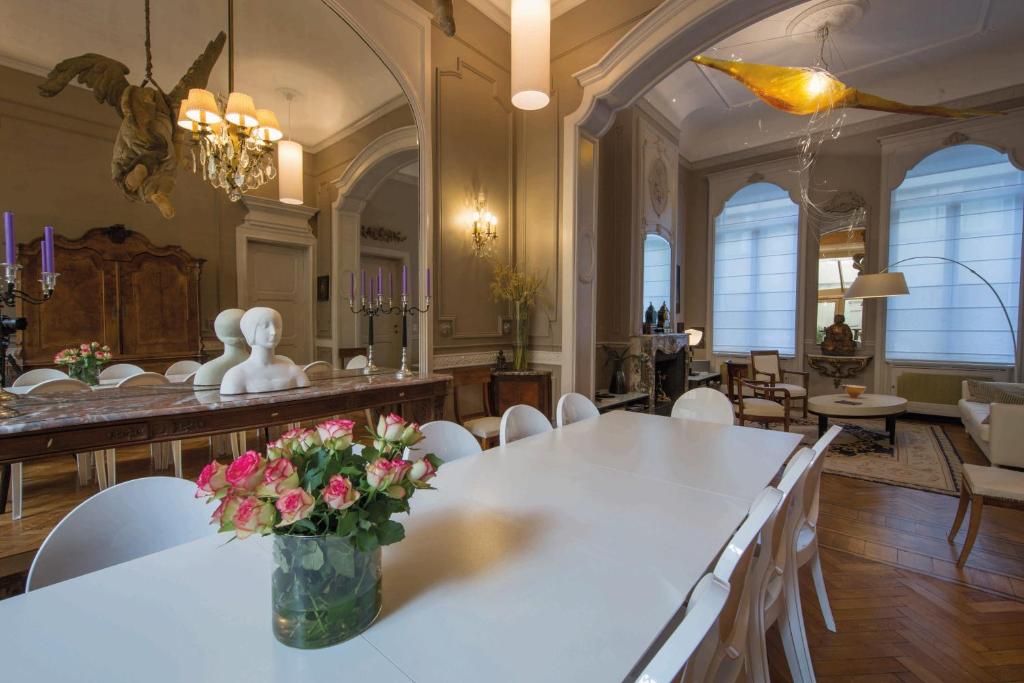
{"x": 227, "y": 328}
{"x": 263, "y": 371}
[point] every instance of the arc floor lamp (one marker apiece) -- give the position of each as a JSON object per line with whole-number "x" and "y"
{"x": 884, "y": 284}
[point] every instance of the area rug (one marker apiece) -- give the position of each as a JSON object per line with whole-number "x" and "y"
{"x": 923, "y": 458}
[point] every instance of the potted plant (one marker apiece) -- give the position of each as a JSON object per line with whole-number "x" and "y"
{"x": 617, "y": 359}
{"x": 520, "y": 290}
{"x": 329, "y": 509}
{"x": 85, "y": 361}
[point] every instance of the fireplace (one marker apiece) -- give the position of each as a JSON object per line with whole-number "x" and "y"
{"x": 670, "y": 378}
{"x": 664, "y": 373}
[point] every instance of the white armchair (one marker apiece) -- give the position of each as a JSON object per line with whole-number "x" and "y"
{"x": 997, "y": 428}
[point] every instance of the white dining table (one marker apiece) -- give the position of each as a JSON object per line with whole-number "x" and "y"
{"x": 560, "y": 557}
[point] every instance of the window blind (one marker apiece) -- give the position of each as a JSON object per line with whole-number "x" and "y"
{"x": 755, "y": 272}
{"x": 963, "y": 203}
{"x": 657, "y": 272}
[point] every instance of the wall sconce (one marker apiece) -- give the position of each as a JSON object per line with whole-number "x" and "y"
{"x": 485, "y": 232}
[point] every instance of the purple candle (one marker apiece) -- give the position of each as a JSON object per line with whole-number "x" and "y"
{"x": 362, "y": 289}
{"x": 352, "y": 285}
{"x": 405, "y": 279}
{"x": 9, "y": 236}
{"x": 391, "y": 284}
{"x": 428, "y": 281}
{"x": 48, "y": 250}
{"x": 380, "y": 281}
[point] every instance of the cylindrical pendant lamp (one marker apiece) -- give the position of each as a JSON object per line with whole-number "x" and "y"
{"x": 289, "y": 172}
{"x": 531, "y": 53}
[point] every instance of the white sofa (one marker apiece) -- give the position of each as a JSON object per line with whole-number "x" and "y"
{"x": 1002, "y": 438}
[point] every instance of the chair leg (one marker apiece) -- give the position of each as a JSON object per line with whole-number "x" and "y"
{"x": 111, "y": 466}
{"x": 757, "y": 649}
{"x": 977, "y": 503}
{"x": 805, "y": 407}
{"x": 961, "y": 510}
{"x": 16, "y": 490}
{"x": 100, "y": 458}
{"x": 819, "y": 588}
{"x": 791, "y": 623}
{"x": 84, "y": 462}
{"x": 176, "y": 455}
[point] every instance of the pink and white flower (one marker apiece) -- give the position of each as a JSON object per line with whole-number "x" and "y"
{"x": 294, "y": 505}
{"x": 278, "y": 477}
{"x": 411, "y": 435}
{"x": 382, "y": 473}
{"x": 390, "y": 427}
{"x": 249, "y": 516}
{"x": 336, "y": 434}
{"x": 246, "y": 471}
{"x": 339, "y": 494}
{"x": 422, "y": 471}
{"x": 212, "y": 481}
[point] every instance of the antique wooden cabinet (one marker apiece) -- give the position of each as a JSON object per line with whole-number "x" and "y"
{"x": 532, "y": 387}
{"x": 118, "y": 288}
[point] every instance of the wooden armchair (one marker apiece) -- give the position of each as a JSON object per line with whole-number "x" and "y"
{"x": 765, "y": 366}
{"x": 759, "y": 401}
{"x": 481, "y": 423}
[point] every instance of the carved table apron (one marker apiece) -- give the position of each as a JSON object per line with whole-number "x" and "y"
{"x": 75, "y": 423}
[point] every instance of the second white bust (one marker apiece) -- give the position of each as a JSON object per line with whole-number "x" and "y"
{"x": 263, "y": 371}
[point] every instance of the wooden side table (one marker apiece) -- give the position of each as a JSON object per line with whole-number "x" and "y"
{"x": 529, "y": 387}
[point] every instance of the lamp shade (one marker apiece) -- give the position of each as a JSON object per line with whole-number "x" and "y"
{"x": 877, "y": 286}
{"x": 241, "y": 111}
{"x": 694, "y": 336}
{"x": 269, "y": 130}
{"x": 202, "y": 107}
{"x": 183, "y": 120}
{"x": 289, "y": 172}
{"x": 531, "y": 53}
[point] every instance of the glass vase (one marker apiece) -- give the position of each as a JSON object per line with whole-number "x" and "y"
{"x": 324, "y": 590}
{"x": 522, "y": 332}
{"x": 90, "y": 374}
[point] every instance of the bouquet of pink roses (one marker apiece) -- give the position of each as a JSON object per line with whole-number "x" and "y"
{"x": 84, "y": 361}
{"x": 329, "y": 505}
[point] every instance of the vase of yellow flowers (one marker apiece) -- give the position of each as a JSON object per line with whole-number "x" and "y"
{"x": 520, "y": 290}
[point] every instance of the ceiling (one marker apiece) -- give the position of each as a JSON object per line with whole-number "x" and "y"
{"x": 299, "y": 45}
{"x": 500, "y": 11}
{"x": 916, "y": 51}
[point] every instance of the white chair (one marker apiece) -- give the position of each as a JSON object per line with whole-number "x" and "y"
{"x": 683, "y": 656}
{"x": 318, "y": 368}
{"x": 776, "y": 598}
{"x": 124, "y": 522}
{"x": 521, "y": 421}
{"x": 57, "y": 385}
{"x": 106, "y": 460}
{"x": 357, "y": 362}
{"x": 728, "y": 659}
{"x": 119, "y": 371}
{"x": 447, "y": 440}
{"x": 705, "y": 405}
{"x": 574, "y": 407}
{"x": 183, "y": 367}
{"x": 38, "y": 375}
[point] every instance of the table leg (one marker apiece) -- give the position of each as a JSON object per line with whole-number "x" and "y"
{"x": 890, "y": 426}
{"x": 5, "y": 487}
{"x": 822, "y": 425}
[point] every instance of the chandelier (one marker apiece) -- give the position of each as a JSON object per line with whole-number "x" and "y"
{"x": 233, "y": 151}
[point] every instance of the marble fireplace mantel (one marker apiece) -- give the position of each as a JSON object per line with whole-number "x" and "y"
{"x": 643, "y": 373}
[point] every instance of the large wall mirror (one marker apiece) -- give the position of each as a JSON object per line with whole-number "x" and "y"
{"x": 330, "y": 93}
{"x": 841, "y": 255}
{"x": 657, "y": 272}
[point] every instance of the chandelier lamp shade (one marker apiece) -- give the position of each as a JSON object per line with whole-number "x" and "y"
{"x": 531, "y": 53}
{"x": 232, "y": 151}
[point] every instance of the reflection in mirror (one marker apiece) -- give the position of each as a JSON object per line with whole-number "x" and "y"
{"x": 657, "y": 272}
{"x": 840, "y": 259}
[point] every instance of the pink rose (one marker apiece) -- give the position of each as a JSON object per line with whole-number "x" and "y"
{"x": 250, "y": 516}
{"x": 339, "y": 493}
{"x": 218, "y": 515}
{"x": 390, "y": 427}
{"x": 422, "y": 471}
{"x": 212, "y": 481}
{"x": 411, "y": 435}
{"x": 279, "y": 477}
{"x": 307, "y": 439}
{"x": 85, "y": 347}
{"x": 396, "y": 491}
{"x": 336, "y": 434}
{"x": 383, "y": 473}
{"x": 294, "y": 505}
{"x": 246, "y": 471}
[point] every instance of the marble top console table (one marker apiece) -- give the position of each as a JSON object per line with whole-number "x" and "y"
{"x": 53, "y": 425}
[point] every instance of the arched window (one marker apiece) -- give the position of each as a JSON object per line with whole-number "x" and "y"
{"x": 755, "y": 272}
{"x": 963, "y": 203}
{"x": 657, "y": 272}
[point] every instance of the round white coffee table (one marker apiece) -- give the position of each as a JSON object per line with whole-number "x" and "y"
{"x": 864, "y": 406}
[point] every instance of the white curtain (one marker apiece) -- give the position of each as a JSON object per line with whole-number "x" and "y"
{"x": 964, "y": 203}
{"x": 755, "y": 272}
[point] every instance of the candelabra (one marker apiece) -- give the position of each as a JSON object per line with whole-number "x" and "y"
{"x": 370, "y": 307}
{"x": 8, "y": 326}
{"x": 405, "y": 310}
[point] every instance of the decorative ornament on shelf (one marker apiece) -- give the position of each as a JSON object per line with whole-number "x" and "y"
{"x": 485, "y": 224}
{"x": 381, "y": 234}
{"x": 838, "y": 339}
{"x": 520, "y": 290}
{"x": 329, "y": 509}
{"x": 85, "y": 361}
{"x": 147, "y": 147}
{"x": 235, "y": 150}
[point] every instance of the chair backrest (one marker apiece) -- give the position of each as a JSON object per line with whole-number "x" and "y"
{"x": 120, "y": 371}
{"x": 812, "y": 485}
{"x": 144, "y": 379}
{"x": 683, "y": 656}
{"x": 318, "y": 368}
{"x": 182, "y": 367}
{"x": 38, "y": 375}
{"x": 704, "y": 404}
{"x": 120, "y": 523}
{"x": 357, "y": 362}
{"x": 734, "y": 372}
{"x": 574, "y": 407}
{"x": 190, "y": 378}
{"x": 479, "y": 378}
{"x": 780, "y": 535}
{"x": 521, "y": 421}
{"x": 765, "y": 366}
{"x": 60, "y": 385}
{"x": 447, "y": 440}
{"x": 822, "y": 444}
